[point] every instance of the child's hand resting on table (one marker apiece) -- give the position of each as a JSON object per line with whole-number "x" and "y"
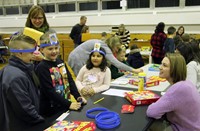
{"x": 75, "y": 106}
{"x": 137, "y": 70}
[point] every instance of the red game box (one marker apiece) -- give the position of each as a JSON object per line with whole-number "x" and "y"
{"x": 72, "y": 126}
{"x": 141, "y": 97}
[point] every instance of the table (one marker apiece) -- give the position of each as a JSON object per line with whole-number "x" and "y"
{"x": 136, "y": 121}
{"x": 160, "y": 88}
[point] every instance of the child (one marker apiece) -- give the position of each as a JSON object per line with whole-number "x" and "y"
{"x": 19, "y": 87}
{"x": 103, "y": 36}
{"x": 95, "y": 76}
{"x": 115, "y": 72}
{"x": 56, "y": 80}
{"x": 169, "y": 46}
{"x": 135, "y": 58}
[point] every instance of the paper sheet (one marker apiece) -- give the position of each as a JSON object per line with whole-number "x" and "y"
{"x": 115, "y": 92}
{"x": 63, "y": 116}
{"x": 121, "y": 81}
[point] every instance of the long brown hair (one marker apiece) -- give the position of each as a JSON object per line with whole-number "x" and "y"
{"x": 33, "y": 12}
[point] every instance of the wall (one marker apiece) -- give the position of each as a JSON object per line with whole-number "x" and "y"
{"x": 137, "y": 20}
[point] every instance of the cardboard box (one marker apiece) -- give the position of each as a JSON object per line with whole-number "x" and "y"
{"x": 141, "y": 97}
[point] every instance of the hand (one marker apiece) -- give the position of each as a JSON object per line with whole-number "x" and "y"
{"x": 37, "y": 56}
{"x": 91, "y": 91}
{"x": 75, "y": 106}
{"x": 84, "y": 91}
{"x": 84, "y": 101}
{"x": 137, "y": 70}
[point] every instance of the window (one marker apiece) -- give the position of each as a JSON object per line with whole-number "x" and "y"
{"x": 192, "y": 2}
{"x": 111, "y": 4}
{"x": 12, "y": 10}
{"x": 25, "y": 9}
{"x": 66, "y": 7}
{"x": 138, "y": 3}
{"x": 167, "y": 3}
{"x": 88, "y": 6}
{"x": 48, "y": 8}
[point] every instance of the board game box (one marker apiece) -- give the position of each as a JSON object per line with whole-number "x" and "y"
{"x": 141, "y": 97}
{"x": 72, "y": 126}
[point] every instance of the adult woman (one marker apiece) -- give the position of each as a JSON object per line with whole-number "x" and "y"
{"x": 37, "y": 20}
{"x": 157, "y": 42}
{"x": 181, "y": 102}
{"x": 124, "y": 35}
{"x": 78, "y": 57}
{"x": 180, "y": 31}
{"x": 191, "y": 53}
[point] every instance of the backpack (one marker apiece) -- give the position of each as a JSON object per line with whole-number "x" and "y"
{"x": 4, "y": 115}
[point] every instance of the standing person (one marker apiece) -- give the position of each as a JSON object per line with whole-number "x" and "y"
{"x": 169, "y": 46}
{"x": 77, "y": 30}
{"x": 181, "y": 102}
{"x": 78, "y": 57}
{"x": 157, "y": 42}
{"x": 180, "y": 31}
{"x": 19, "y": 87}
{"x": 95, "y": 76}
{"x": 124, "y": 35}
{"x": 191, "y": 53}
{"x": 56, "y": 80}
{"x": 37, "y": 20}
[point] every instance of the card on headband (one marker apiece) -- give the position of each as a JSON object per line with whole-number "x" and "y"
{"x": 53, "y": 39}
{"x": 97, "y": 46}
{"x": 33, "y": 33}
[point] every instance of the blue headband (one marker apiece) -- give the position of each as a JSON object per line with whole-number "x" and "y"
{"x": 22, "y": 50}
{"x": 48, "y": 44}
{"x": 101, "y": 52}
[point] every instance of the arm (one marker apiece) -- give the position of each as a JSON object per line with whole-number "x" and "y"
{"x": 73, "y": 33}
{"x": 192, "y": 72}
{"x": 79, "y": 78}
{"x": 21, "y": 102}
{"x": 106, "y": 82}
{"x": 73, "y": 88}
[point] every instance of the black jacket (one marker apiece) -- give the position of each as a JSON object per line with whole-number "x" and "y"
{"x": 51, "y": 98}
{"x": 20, "y": 94}
{"x": 135, "y": 59}
{"x": 76, "y": 33}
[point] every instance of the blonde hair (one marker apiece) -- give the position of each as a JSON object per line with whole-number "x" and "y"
{"x": 113, "y": 41}
{"x": 177, "y": 67}
{"x": 44, "y": 39}
{"x": 20, "y": 41}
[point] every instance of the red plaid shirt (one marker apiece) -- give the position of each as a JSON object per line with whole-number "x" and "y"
{"x": 157, "y": 42}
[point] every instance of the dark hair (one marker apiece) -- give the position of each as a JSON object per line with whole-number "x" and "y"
{"x": 103, "y": 34}
{"x": 185, "y": 37}
{"x": 103, "y": 64}
{"x": 134, "y": 46}
{"x": 177, "y": 40}
{"x": 190, "y": 51}
{"x": 177, "y": 33}
{"x": 171, "y": 30}
{"x": 160, "y": 27}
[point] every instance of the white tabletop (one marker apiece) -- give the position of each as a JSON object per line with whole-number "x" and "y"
{"x": 123, "y": 81}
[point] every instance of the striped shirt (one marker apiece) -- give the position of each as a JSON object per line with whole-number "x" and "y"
{"x": 125, "y": 38}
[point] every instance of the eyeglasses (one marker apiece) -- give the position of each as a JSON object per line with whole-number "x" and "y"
{"x": 38, "y": 18}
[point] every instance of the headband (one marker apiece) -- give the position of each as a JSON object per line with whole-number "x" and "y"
{"x": 97, "y": 49}
{"x": 53, "y": 41}
{"x": 22, "y": 50}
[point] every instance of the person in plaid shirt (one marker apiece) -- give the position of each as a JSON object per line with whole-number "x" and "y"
{"x": 157, "y": 42}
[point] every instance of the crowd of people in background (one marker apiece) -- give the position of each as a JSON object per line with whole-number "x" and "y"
{"x": 37, "y": 91}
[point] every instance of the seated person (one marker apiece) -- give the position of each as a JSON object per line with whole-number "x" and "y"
{"x": 115, "y": 72}
{"x": 181, "y": 102}
{"x": 55, "y": 80}
{"x": 135, "y": 58}
{"x": 95, "y": 76}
